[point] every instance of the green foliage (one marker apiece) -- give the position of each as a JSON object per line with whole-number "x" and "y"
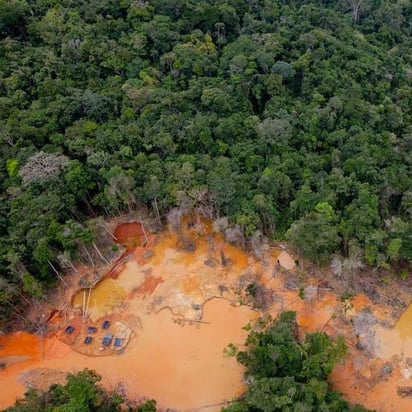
{"x": 148, "y": 406}
{"x": 287, "y": 374}
{"x": 287, "y": 116}
{"x": 315, "y": 237}
{"x": 32, "y": 286}
{"x": 13, "y": 16}
{"x": 12, "y": 167}
{"x": 81, "y": 394}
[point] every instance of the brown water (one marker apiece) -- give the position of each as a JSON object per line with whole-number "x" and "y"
{"x": 183, "y": 367}
{"x": 104, "y": 299}
{"x": 404, "y": 324}
{"x": 130, "y": 235}
{"x": 396, "y": 340}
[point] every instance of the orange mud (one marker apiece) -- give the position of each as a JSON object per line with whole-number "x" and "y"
{"x": 130, "y": 235}
{"x": 183, "y": 367}
{"x": 358, "y": 378}
{"x": 20, "y": 344}
{"x": 373, "y": 382}
{"x": 118, "y": 269}
{"x": 182, "y": 309}
{"x": 148, "y": 286}
{"x": 18, "y": 352}
{"x": 180, "y": 329}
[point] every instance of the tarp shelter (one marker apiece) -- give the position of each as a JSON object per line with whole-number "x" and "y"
{"x": 107, "y": 339}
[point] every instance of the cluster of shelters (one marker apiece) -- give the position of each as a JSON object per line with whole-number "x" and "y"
{"x": 116, "y": 337}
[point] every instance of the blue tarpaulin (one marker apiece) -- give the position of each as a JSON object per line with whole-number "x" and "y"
{"x": 107, "y": 339}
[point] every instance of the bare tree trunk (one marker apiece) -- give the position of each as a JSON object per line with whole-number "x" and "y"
{"x": 100, "y": 253}
{"x": 72, "y": 266}
{"x": 15, "y": 309}
{"x": 84, "y": 304}
{"x": 157, "y": 211}
{"x": 88, "y": 301}
{"x": 58, "y": 274}
{"x": 108, "y": 231}
{"x": 8, "y": 139}
{"x": 145, "y": 234}
{"x": 131, "y": 211}
{"x": 24, "y": 297}
{"x": 356, "y": 8}
{"x": 88, "y": 255}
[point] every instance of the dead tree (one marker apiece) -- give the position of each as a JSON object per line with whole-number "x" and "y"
{"x": 174, "y": 217}
{"x": 57, "y": 273}
{"x": 88, "y": 255}
{"x": 235, "y": 236}
{"x": 42, "y": 167}
{"x": 256, "y": 243}
{"x": 156, "y": 209}
{"x": 356, "y": 8}
{"x": 100, "y": 253}
{"x": 65, "y": 262}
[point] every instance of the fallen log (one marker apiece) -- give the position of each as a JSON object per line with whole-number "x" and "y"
{"x": 405, "y": 391}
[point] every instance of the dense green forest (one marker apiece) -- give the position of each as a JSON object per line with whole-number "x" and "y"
{"x": 286, "y": 374}
{"x": 291, "y": 118}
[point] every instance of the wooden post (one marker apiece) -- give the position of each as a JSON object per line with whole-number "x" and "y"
{"x": 84, "y": 304}
{"x": 88, "y": 301}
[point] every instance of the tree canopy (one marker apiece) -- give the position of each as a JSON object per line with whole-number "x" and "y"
{"x": 81, "y": 393}
{"x": 290, "y": 117}
{"x": 289, "y": 374}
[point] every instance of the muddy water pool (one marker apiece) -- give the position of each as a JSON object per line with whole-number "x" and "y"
{"x": 102, "y": 300}
{"x": 180, "y": 363}
{"x": 182, "y": 367}
{"x": 397, "y": 340}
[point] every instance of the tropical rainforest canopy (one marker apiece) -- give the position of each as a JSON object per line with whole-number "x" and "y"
{"x": 292, "y": 118}
{"x": 287, "y": 374}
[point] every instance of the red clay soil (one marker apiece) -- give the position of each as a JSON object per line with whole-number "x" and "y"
{"x": 55, "y": 317}
{"x": 148, "y": 286}
{"x": 130, "y": 235}
{"x": 116, "y": 271}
